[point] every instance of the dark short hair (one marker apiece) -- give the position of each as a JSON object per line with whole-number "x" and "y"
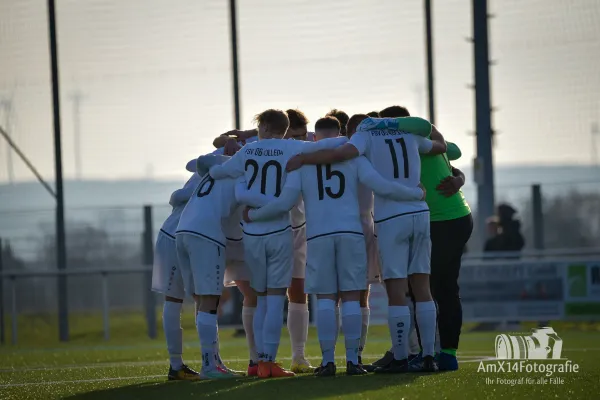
{"x": 373, "y": 114}
{"x": 341, "y": 116}
{"x": 394, "y": 112}
{"x": 277, "y": 121}
{"x": 327, "y": 123}
{"x": 297, "y": 118}
{"x": 354, "y": 121}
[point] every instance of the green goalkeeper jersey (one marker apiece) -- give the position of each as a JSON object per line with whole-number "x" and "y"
{"x": 433, "y": 170}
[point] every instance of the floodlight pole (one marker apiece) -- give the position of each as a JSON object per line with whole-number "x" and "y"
{"x": 430, "y": 71}
{"x": 234, "y": 63}
{"x": 61, "y": 248}
{"x": 484, "y": 165}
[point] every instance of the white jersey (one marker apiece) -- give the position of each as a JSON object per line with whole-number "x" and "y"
{"x": 263, "y": 163}
{"x": 211, "y": 203}
{"x": 395, "y": 155}
{"x": 330, "y": 195}
{"x": 179, "y": 199}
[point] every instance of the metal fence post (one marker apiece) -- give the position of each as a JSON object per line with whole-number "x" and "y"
{"x": 538, "y": 217}
{"x": 105, "y": 306}
{"x": 2, "y": 333}
{"x": 148, "y": 258}
{"x": 13, "y": 311}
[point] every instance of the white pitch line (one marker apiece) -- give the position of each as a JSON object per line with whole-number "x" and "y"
{"x": 160, "y": 362}
{"x": 148, "y": 377}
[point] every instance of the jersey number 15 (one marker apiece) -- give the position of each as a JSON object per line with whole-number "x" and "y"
{"x": 330, "y": 174}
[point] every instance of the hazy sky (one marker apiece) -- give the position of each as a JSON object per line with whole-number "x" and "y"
{"x": 155, "y": 75}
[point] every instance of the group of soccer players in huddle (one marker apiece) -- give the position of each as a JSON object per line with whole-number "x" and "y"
{"x": 280, "y": 211}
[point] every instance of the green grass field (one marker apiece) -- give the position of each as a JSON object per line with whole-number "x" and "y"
{"x": 131, "y": 366}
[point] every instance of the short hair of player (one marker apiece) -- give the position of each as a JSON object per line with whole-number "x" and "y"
{"x": 353, "y": 123}
{"x": 272, "y": 123}
{"x": 327, "y": 124}
{"x": 297, "y": 118}
{"x": 394, "y": 112}
{"x": 373, "y": 114}
{"x": 341, "y": 116}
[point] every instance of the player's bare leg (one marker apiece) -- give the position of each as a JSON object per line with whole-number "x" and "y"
{"x": 171, "y": 319}
{"x": 297, "y": 323}
{"x": 273, "y": 302}
{"x": 248, "y": 311}
{"x": 365, "y": 315}
{"x": 351, "y": 325}
{"x": 426, "y": 317}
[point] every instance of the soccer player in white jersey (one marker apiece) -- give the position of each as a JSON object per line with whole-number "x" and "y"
{"x": 337, "y": 260}
{"x": 402, "y": 227}
{"x": 298, "y": 314}
{"x": 166, "y": 279}
{"x": 202, "y": 259}
{"x": 268, "y": 245}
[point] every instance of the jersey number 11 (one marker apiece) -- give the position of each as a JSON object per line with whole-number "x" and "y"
{"x": 390, "y": 144}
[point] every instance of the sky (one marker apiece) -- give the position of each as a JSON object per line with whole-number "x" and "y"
{"x": 154, "y": 76}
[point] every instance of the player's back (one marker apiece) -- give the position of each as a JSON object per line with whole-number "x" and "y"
{"x": 330, "y": 193}
{"x": 265, "y": 173}
{"x": 396, "y": 156}
{"x": 211, "y": 203}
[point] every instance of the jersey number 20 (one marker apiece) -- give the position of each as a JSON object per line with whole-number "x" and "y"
{"x": 390, "y": 144}
{"x": 263, "y": 176}
{"x": 330, "y": 174}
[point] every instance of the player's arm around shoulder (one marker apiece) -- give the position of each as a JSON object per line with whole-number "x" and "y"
{"x": 288, "y": 198}
{"x": 368, "y": 176}
{"x": 248, "y": 197}
{"x": 343, "y": 152}
{"x": 232, "y": 168}
{"x": 433, "y": 146}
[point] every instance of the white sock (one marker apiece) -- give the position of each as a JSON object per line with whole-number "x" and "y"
{"x": 337, "y": 321}
{"x": 399, "y": 324}
{"x": 206, "y": 324}
{"x": 326, "y": 329}
{"x": 173, "y": 333}
{"x": 258, "y": 324}
{"x": 351, "y": 323}
{"x": 426, "y": 318}
{"x": 247, "y": 321}
{"x": 413, "y": 338}
{"x": 364, "y": 329}
{"x": 272, "y": 327}
{"x": 216, "y": 347}
{"x": 297, "y": 323}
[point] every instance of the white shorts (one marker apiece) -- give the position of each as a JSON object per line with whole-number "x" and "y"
{"x": 404, "y": 246}
{"x": 236, "y": 270}
{"x": 299, "y": 267}
{"x": 373, "y": 263}
{"x": 202, "y": 264}
{"x": 336, "y": 263}
{"x": 166, "y": 275}
{"x": 270, "y": 260}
